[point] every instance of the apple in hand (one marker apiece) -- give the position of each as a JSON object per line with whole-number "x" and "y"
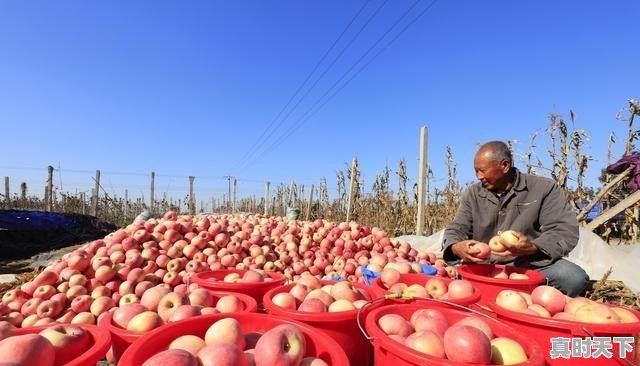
{"x": 479, "y": 250}
{"x": 69, "y": 341}
{"x": 496, "y": 245}
{"x": 283, "y": 345}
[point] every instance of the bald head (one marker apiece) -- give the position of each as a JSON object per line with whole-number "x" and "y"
{"x": 496, "y": 151}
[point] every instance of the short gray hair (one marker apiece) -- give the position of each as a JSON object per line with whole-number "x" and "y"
{"x": 498, "y": 151}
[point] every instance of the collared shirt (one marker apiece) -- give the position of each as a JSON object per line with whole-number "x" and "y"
{"x": 535, "y": 206}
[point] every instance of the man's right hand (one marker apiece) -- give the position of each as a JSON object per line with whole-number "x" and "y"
{"x": 462, "y": 250}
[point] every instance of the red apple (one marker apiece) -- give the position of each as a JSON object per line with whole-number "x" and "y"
{"x": 549, "y": 297}
{"x": 464, "y": 343}
{"x": 18, "y": 350}
{"x": 427, "y": 342}
{"x": 283, "y": 345}
{"x": 173, "y": 357}
{"x": 69, "y": 341}
{"x": 222, "y": 354}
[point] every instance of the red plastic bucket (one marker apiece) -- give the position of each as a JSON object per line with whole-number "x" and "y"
{"x": 377, "y": 289}
{"x": 212, "y": 280}
{"x": 121, "y": 338}
{"x": 318, "y": 344}
{"x": 480, "y": 276}
{"x": 341, "y": 326}
{"x": 100, "y": 343}
{"x": 542, "y": 330}
{"x": 390, "y": 352}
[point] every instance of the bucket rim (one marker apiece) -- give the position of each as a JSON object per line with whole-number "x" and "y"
{"x": 202, "y": 279}
{"x": 576, "y": 328}
{"x": 535, "y": 277}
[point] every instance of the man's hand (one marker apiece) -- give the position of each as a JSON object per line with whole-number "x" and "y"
{"x": 463, "y": 250}
{"x": 522, "y": 247}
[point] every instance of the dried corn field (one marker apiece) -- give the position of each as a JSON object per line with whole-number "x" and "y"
{"x": 390, "y": 200}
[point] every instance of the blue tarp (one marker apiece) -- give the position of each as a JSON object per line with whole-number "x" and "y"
{"x": 26, "y": 233}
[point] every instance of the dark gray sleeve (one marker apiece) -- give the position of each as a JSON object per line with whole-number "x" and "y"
{"x": 559, "y": 227}
{"x": 461, "y": 228}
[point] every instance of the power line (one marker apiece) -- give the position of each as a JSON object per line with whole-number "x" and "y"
{"x": 303, "y": 120}
{"x": 260, "y": 141}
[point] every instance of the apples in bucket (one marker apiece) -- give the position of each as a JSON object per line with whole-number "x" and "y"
{"x": 56, "y": 345}
{"x": 310, "y": 295}
{"x": 224, "y": 343}
{"x": 469, "y": 339}
{"x": 549, "y": 302}
{"x": 433, "y": 287}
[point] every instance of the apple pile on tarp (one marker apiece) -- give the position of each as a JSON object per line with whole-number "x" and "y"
{"x": 105, "y": 274}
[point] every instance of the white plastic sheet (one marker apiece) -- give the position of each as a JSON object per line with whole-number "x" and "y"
{"x": 592, "y": 253}
{"x": 596, "y": 257}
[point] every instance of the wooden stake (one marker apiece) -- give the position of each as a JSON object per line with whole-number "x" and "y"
{"x": 422, "y": 177}
{"x": 585, "y": 211}
{"x": 235, "y": 191}
{"x": 266, "y": 197}
{"x": 49, "y": 188}
{"x": 151, "y": 194}
{"x": 611, "y": 212}
{"x": 310, "y": 202}
{"x": 7, "y": 198}
{"x": 96, "y": 194}
{"x": 352, "y": 186}
{"x": 192, "y": 201}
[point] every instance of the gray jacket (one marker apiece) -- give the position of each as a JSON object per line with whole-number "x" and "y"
{"x": 535, "y": 206}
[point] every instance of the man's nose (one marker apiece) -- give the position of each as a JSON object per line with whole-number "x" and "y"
{"x": 479, "y": 175}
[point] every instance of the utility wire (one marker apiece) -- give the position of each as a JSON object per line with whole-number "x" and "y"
{"x": 303, "y": 120}
{"x": 260, "y": 141}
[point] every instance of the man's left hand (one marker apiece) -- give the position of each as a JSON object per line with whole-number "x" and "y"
{"x": 521, "y": 248}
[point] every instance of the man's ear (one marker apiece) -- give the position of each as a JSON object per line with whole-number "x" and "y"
{"x": 506, "y": 166}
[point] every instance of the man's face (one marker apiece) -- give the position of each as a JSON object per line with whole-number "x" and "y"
{"x": 491, "y": 174}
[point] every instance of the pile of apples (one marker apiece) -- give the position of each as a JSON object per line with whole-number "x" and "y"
{"x": 501, "y": 273}
{"x": 309, "y": 295}
{"x": 380, "y": 262}
{"x": 160, "y": 305}
{"x": 468, "y": 340}
{"x": 56, "y": 345}
{"x": 434, "y": 287}
{"x": 250, "y": 276}
{"x": 224, "y": 344}
{"x": 117, "y": 270}
{"x": 549, "y": 302}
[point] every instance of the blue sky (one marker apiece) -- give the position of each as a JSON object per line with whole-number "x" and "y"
{"x": 187, "y": 88}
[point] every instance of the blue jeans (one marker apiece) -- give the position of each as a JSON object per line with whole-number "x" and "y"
{"x": 566, "y": 276}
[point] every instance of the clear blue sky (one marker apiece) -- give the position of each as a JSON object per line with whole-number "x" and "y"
{"x": 186, "y": 88}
